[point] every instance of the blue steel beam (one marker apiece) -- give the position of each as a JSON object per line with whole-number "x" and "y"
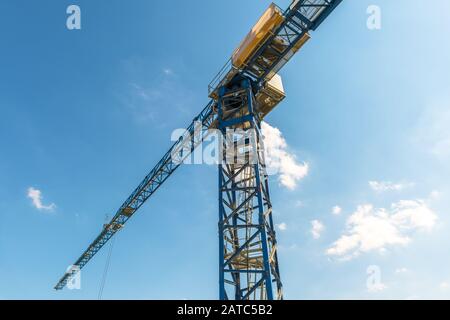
{"x": 248, "y": 261}
{"x": 301, "y": 17}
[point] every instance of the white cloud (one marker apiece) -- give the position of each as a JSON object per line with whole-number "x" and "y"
{"x": 401, "y": 270}
{"x": 369, "y": 228}
{"x": 282, "y": 226}
{"x": 36, "y": 197}
{"x": 316, "y": 228}
{"x": 168, "y": 71}
{"x": 299, "y": 204}
{"x": 292, "y": 247}
{"x": 378, "y": 287}
{"x": 146, "y": 98}
{"x": 382, "y": 186}
{"x": 441, "y": 147}
{"x": 336, "y": 210}
{"x": 141, "y": 101}
{"x": 279, "y": 160}
{"x": 435, "y": 195}
{"x": 444, "y": 285}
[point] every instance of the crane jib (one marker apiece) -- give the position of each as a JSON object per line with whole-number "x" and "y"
{"x": 147, "y": 187}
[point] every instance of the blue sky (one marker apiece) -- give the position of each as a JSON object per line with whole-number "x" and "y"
{"x": 86, "y": 114}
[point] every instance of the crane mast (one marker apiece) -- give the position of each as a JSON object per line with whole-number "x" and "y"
{"x": 245, "y": 90}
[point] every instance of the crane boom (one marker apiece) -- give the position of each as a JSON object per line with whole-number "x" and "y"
{"x": 262, "y": 65}
{"x": 157, "y": 176}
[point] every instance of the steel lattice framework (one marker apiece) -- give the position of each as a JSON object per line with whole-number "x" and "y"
{"x": 248, "y": 259}
{"x": 247, "y": 241}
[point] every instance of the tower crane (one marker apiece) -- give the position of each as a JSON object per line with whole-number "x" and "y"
{"x": 245, "y": 91}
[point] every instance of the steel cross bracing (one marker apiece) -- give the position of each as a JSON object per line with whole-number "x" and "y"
{"x": 301, "y": 17}
{"x": 247, "y": 242}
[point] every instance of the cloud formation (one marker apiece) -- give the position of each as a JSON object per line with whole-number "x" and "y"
{"x": 382, "y": 186}
{"x": 336, "y": 210}
{"x": 279, "y": 160}
{"x": 36, "y": 197}
{"x": 444, "y": 285}
{"x": 316, "y": 228}
{"x": 369, "y": 228}
{"x": 401, "y": 270}
{"x": 168, "y": 71}
{"x": 282, "y": 226}
{"x": 147, "y": 97}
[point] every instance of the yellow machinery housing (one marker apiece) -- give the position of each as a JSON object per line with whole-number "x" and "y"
{"x": 272, "y": 92}
{"x": 270, "y": 95}
{"x": 271, "y": 19}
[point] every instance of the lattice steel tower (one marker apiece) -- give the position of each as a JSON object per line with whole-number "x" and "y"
{"x": 247, "y": 242}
